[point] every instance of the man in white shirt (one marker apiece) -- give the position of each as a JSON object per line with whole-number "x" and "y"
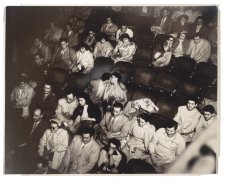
{"x": 123, "y": 30}
{"x": 187, "y": 118}
{"x": 66, "y": 107}
{"x": 209, "y": 116}
{"x": 82, "y": 155}
{"x": 199, "y": 49}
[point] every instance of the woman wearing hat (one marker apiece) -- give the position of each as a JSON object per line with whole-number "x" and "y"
{"x": 53, "y": 144}
{"x": 124, "y": 50}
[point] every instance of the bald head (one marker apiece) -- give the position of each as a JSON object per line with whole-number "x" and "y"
{"x": 37, "y": 115}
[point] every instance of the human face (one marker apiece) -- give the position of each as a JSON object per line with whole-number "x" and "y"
{"x": 69, "y": 98}
{"x": 207, "y": 115}
{"x": 22, "y": 85}
{"x": 82, "y": 49}
{"x": 63, "y": 45}
{"x": 86, "y": 138}
{"x": 165, "y": 13}
{"x": 141, "y": 122}
{"x": 47, "y": 89}
{"x": 197, "y": 40}
{"x": 82, "y": 101}
{"x": 38, "y": 60}
{"x": 54, "y": 127}
{"x": 91, "y": 33}
{"x": 113, "y": 79}
{"x": 170, "y": 40}
{"x": 191, "y": 105}
{"x": 199, "y": 22}
{"x": 125, "y": 40}
{"x": 170, "y": 132}
{"x": 108, "y": 20}
{"x": 116, "y": 111}
{"x": 37, "y": 42}
{"x": 103, "y": 41}
{"x": 182, "y": 36}
{"x": 68, "y": 28}
{"x": 37, "y": 115}
{"x": 123, "y": 29}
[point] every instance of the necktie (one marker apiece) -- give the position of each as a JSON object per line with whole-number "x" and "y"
{"x": 34, "y": 127}
{"x": 112, "y": 123}
{"x": 162, "y": 22}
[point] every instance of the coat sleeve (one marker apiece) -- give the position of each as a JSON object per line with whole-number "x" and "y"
{"x": 42, "y": 144}
{"x": 92, "y": 161}
{"x": 124, "y": 131}
{"x": 103, "y": 124}
{"x": 63, "y": 144}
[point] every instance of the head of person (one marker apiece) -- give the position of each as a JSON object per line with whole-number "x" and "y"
{"x": 83, "y": 48}
{"x": 125, "y": 38}
{"x": 42, "y": 165}
{"x": 52, "y": 25}
{"x": 63, "y": 43}
{"x": 199, "y": 20}
{"x": 91, "y": 33}
{"x": 117, "y": 109}
{"x": 183, "y": 18}
{"x": 208, "y": 112}
{"x": 37, "y": 115}
{"x": 55, "y": 125}
{"x": 192, "y": 103}
{"x": 170, "y": 39}
{"x": 87, "y": 134}
{"x": 115, "y": 78}
{"x": 47, "y": 88}
{"x": 182, "y": 35}
{"x": 182, "y": 8}
{"x": 165, "y": 13}
{"x": 114, "y": 144}
{"x": 171, "y": 128}
{"x": 142, "y": 119}
{"x": 68, "y": 27}
{"x": 197, "y": 38}
{"x": 108, "y": 20}
{"x": 38, "y": 59}
{"x": 37, "y": 42}
{"x": 84, "y": 99}
{"x": 105, "y": 77}
{"x": 103, "y": 38}
{"x": 123, "y": 28}
{"x": 70, "y": 96}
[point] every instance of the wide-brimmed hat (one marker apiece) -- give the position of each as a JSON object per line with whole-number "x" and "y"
{"x": 56, "y": 121}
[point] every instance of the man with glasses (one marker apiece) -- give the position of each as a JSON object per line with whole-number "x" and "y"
{"x": 53, "y": 144}
{"x": 167, "y": 145}
{"x": 64, "y": 57}
{"x": 209, "y": 116}
{"x": 82, "y": 154}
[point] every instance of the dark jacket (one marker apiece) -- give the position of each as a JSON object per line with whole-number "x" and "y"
{"x": 177, "y": 27}
{"x": 204, "y": 32}
{"x": 168, "y": 25}
{"x": 185, "y": 45}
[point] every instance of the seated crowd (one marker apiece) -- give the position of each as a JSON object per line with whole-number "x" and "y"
{"x": 99, "y": 128}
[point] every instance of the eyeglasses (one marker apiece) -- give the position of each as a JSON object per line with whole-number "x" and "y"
{"x": 53, "y": 128}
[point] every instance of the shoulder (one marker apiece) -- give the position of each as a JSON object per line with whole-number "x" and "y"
{"x": 95, "y": 145}
{"x": 124, "y": 118}
{"x": 179, "y": 138}
{"x": 160, "y": 131}
{"x": 62, "y": 101}
{"x": 122, "y": 86}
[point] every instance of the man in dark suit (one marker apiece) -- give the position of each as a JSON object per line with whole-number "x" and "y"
{"x": 199, "y": 27}
{"x": 27, "y": 153}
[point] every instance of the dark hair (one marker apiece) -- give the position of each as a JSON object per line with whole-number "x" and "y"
{"x": 69, "y": 24}
{"x": 193, "y": 98}
{"x": 85, "y": 96}
{"x": 84, "y": 45}
{"x": 144, "y": 116}
{"x": 125, "y": 36}
{"x": 209, "y": 108}
{"x": 115, "y": 142}
{"x": 117, "y": 75}
{"x": 63, "y": 40}
{"x": 38, "y": 54}
{"x": 118, "y": 105}
{"x": 48, "y": 83}
{"x": 105, "y": 76}
{"x": 197, "y": 35}
{"x": 182, "y": 16}
{"x": 171, "y": 124}
{"x": 199, "y": 17}
{"x": 43, "y": 161}
{"x": 87, "y": 130}
{"x": 70, "y": 91}
{"x": 102, "y": 36}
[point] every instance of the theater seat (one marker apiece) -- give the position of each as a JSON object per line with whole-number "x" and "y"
{"x": 183, "y": 67}
{"x": 143, "y": 56}
{"x": 140, "y": 94}
{"x": 167, "y": 107}
{"x": 165, "y": 84}
{"x": 101, "y": 65}
{"x": 125, "y": 69}
{"x": 205, "y": 74}
{"x": 186, "y": 89}
{"x": 144, "y": 78}
{"x": 79, "y": 81}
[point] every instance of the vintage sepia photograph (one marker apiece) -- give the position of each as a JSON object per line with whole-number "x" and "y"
{"x": 112, "y": 89}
